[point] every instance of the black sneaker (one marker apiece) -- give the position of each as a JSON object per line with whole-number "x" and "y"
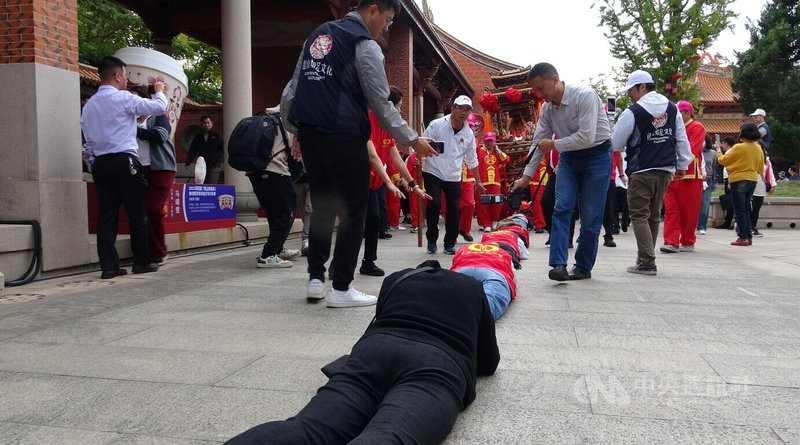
{"x": 385, "y": 235}
{"x": 642, "y": 269}
{"x": 108, "y": 274}
{"x": 467, "y": 237}
{"x": 576, "y": 273}
{"x": 137, "y": 269}
{"x": 558, "y": 273}
{"x": 609, "y": 243}
{"x": 369, "y": 268}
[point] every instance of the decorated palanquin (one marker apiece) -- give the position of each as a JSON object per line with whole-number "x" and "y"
{"x": 511, "y": 112}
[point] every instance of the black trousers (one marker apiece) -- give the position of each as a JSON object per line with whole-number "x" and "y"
{"x": 755, "y": 209}
{"x": 610, "y": 215}
{"x": 384, "y": 212}
{"x": 276, "y": 196}
{"x": 116, "y": 185}
{"x": 390, "y": 391}
{"x": 372, "y": 224}
{"x": 452, "y": 194}
{"x": 622, "y": 206}
{"x": 548, "y": 203}
{"x": 338, "y": 178}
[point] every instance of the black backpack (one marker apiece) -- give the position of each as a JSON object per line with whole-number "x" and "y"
{"x": 250, "y": 144}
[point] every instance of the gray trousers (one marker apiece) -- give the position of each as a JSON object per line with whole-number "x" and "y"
{"x": 646, "y": 192}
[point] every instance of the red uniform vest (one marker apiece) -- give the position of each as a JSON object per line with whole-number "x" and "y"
{"x": 488, "y": 256}
{"x": 383, "y": 142}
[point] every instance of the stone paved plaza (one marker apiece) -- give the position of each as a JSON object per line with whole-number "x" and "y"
{"x": 707, "y": 352}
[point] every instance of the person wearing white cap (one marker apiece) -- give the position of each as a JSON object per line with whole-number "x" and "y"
{"x": 443, "y": 173}
{"x": 574, "y": 113}
{"x": 758, "y": 118}
{"x": 652, "y": 133}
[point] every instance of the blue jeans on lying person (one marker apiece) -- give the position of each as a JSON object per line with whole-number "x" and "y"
{"x": 494, "y": 286}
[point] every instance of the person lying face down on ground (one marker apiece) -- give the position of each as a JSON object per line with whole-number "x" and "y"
{"x": 410, "y": 374}
{"x": 492, "y": 264}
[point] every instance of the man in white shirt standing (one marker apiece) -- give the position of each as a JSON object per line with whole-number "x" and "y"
{"x": 443, "y": 173}
{"x": 654, "y": 137}
{"x": 109, "y": 127}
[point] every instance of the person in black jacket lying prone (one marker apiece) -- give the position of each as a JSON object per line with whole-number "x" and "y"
{"x": 410, "y": 374}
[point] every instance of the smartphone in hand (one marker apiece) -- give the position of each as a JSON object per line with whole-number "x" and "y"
{"x": 438, "y": 146}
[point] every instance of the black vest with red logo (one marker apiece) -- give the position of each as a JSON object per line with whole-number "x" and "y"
{"x": 652, "y": 143}
{"x": 329, "y": 98}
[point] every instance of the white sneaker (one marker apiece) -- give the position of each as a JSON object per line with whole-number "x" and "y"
{"x": 398, "y": 228}
{"x": 701, "y": 232}
{"x": 350, "y": 298}
{"x": 272, "y": 262}
{"x": 316, "y": 290}
{"x": 487, "y": 229}
{"x": 288, "y": 254}
{"x": 686, "y": 248}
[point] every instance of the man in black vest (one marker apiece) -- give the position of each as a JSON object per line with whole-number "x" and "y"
{"x": 657, "y": 150}
{"x": 339, "y": 76}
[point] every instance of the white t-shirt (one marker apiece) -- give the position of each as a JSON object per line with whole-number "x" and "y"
{"x": 144, "y": 146}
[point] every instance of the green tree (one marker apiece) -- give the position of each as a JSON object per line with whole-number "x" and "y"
{"x": 202, "y": 64}
{"x": 663, "y": 37}
{"x": 768, "y": 75}
{"x": 104, "y": 27}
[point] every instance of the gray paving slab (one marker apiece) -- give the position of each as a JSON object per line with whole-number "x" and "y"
{"x": 582, "y": 360}
{"x": 534, "y": 390}
{"x": 704, "y": 352}
{"x": 243, "y": 342}
{"x": 281, "y": 374}
{"x": 188, "y": 412}
{"x": 740, "y": 343}
{"x": 118, "y": 362}
{"x": 791, "y": 437}
{"x": 665, "y": 398}
{"x": 22, "y": 434}
{"x": 516, "y": 426}
{"x": 83, "y": 333}
{"x": 748, "y": 370}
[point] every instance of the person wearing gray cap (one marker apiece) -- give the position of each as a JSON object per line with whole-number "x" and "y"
{"x": 652, "y": 133}
{"x": 758, "y": 119}
{"x": 575, "y": 115}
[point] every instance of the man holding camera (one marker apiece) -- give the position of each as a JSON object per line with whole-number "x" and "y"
{"x": 443, "y": 173}
{"x": 576, "y": 115}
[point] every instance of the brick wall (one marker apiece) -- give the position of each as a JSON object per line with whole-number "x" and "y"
{"x": 40, "y": 31}
{"x": 477, "y": 74}
{"x": 399, "y": 69}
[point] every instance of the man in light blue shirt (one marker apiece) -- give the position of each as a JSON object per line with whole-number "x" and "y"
{"x": 573, "y": 122}
{"x": 108, "y": 122}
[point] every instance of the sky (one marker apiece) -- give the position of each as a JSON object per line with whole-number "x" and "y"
{"x": 565, "y": 33}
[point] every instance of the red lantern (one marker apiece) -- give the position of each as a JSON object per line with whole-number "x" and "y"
{"x": 676, "y": 76}
{"x": 513, "y": 95}
{"x": 489, "y": 102}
